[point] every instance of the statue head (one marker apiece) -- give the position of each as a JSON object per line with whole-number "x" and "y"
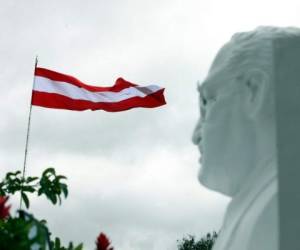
{"x": 236, "y": 130}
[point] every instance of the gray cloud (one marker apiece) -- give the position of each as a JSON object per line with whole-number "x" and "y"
{"x": 131, "y": 174}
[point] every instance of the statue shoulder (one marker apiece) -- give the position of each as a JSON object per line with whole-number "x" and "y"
{"x": 251, "y": 221}
{"x": 264, "y": 234}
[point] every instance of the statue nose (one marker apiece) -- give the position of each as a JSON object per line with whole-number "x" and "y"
{"x": 196, "y": 137}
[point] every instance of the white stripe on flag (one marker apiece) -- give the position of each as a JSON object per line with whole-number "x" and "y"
{"x": 43, "y": 84}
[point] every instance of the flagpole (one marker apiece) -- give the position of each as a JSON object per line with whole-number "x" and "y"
{"x": 28, "y": 131}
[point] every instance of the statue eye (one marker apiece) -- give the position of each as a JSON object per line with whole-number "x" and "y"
{"x": 203, "y": 99}
{"x": 206, "y": 101}
{"x": 206, "y": 97}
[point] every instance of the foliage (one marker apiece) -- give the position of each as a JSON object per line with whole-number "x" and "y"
{"x": 49, "y": 184}
{"x": 56, "y": 245}
{"x": 24, "y": 231}
{"x": 205, "y": 243}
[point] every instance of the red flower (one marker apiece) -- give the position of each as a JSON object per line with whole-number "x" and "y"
{"x": 4, "y": 210}
{"x": 103, "y": 242}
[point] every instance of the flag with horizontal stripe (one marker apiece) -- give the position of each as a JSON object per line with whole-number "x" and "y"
{"x": 59, "y": 91}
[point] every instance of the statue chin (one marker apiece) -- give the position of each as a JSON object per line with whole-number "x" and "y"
{"x": 216, "y": 182}
{"x": 211, "y": 184}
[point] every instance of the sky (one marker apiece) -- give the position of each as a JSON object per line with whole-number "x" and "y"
{"x": 132, "y": 174}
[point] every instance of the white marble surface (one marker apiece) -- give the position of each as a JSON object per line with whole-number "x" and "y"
{"x": 236, "y": 135}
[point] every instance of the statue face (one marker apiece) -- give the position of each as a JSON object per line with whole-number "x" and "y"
{"x": 224, "y": 134}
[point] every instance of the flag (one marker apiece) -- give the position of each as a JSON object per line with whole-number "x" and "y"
{"x": 59, "y": 91}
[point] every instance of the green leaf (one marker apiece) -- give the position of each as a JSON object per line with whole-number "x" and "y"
{"x": 9, "y": 174}
{"x": 79, "y": 247}
{"x": 25, "y": 199}
{"x": 52, "y": 197}
{"x": 64, "y": 189}
{"x": 31, "y": 179}
{"x": 51, "y": 186}
{"x": 58, "y": 177}
{"x": 49, "y": 170}
{"x": 41, "y": 190}
{"x": 70, "y": 246}
{"x": 57, "y": 243}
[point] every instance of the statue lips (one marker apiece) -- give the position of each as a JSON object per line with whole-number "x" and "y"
{"x": 200, "y": 148}
{"x": 201, "y": 152}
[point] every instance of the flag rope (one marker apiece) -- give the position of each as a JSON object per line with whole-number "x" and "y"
{"x": 28, "y": 132}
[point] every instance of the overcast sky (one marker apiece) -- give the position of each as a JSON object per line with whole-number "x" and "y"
{"x": 133, "y": 174}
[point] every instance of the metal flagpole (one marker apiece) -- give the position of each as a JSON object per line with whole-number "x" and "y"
{"x": 28, "y": 131}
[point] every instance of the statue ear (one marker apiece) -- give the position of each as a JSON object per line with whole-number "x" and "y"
{"x": 256, "y": 83}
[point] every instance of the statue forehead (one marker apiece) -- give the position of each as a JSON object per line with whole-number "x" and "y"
{"x": 215, "y": 83}
{"x": 224, "y": 69}
{"x": 219, "y": 79}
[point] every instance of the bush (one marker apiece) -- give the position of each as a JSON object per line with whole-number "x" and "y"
{"x": 24, "y": 231}
{"x": 205, "y": 243}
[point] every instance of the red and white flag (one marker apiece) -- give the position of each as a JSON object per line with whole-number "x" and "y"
{"x": 55, "y": 90}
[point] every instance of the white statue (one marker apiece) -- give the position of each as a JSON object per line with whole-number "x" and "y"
{"x": 236, "y": 135}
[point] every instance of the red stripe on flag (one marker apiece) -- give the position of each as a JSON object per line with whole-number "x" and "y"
{"x": 56, "y": 76}
{"x": 50, "y": 100}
